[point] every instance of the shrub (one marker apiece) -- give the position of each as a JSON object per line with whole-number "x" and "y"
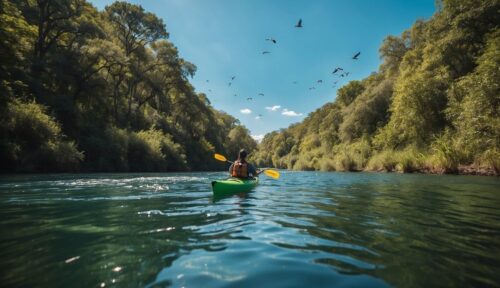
{"x": 32, "y": 141}
{"x": 409, "y": 160}
{"x": 490, "y": 159}
{"x": 445, "y": 157}
{"x": 327, "y": 164}
{"x": 383, "y": 161}
{"x": 302, "y": 164}
{"x": 152, "y": 150}
{"x": 344, "y": 161}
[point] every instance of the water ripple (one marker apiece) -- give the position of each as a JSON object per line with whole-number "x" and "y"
{"x": 309, "y": 229}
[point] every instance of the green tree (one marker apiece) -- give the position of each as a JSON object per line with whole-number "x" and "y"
{"x": 349, "y": 92}
{"x": 474, "y": 108}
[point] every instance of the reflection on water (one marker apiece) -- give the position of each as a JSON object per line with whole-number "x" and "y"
{"x": 307, "y": 229}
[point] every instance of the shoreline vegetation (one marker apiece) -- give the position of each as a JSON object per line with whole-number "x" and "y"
{"x": 84, "y": 90}
{"x": 433, "y": 106}
{"x": 102, "y": 91}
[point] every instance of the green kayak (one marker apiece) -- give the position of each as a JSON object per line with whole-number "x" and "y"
{"x": 233, "y": 185}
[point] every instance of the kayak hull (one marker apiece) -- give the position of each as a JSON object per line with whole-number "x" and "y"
{"x": 234, "y": 185}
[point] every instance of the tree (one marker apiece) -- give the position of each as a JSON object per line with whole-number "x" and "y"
{"x": 113, "y": 89}
{"x": 136, "y": 28}
{"x": 349, "y": 92}
{"x": 474, "y": 107}
{"x": 433, "y": 104}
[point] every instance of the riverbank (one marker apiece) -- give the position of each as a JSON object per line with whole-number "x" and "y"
{"x": 461, "y": 170}
{"x": 358, "y": 158}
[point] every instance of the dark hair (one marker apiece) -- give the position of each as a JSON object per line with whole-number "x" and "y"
{"x": 242, "y": 155}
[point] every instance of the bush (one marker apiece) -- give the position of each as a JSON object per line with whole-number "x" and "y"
{"x": 144, "y": 151}
{"x": 64, "y": 156}
{"x": 344, "y": 162}
{"x": 409, "y": 160}
{"x": 152, "y": 150}
{"x": 327, "y": 164}
{"x": 32, "y": 141}
{"x": 383, "y": 161}
{"x": 351, "y": 157}
{"x": 490, "y": 159}
{"x": 445, "y": 157}
{"x": 303, "y": 164}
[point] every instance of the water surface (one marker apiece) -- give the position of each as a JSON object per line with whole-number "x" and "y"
{"x": 308, "y": 229}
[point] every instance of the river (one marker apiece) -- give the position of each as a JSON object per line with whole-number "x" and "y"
{"x": 307, "y": 229}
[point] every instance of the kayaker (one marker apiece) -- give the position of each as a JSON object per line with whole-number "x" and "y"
{"x": 241, "y": 168}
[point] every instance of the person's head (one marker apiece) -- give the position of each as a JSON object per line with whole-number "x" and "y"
{"x": 242, "y": 155}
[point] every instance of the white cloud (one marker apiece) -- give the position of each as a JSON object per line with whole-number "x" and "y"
{"x": 257, "y": 117}
{"x": 290, "y": 113}
{"x": 273, "y": 108}
{"x": 258, "y": 138}
{"x": 245, "y": 111}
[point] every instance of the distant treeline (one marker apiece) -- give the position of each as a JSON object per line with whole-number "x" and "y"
{"x": 83, "y": 90}
{"x": 432, "y": 106}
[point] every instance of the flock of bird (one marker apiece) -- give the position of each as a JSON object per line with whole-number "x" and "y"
{"x": 338, "y": 71}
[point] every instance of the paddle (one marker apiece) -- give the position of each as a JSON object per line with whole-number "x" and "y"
{"x": 269, "y": 172}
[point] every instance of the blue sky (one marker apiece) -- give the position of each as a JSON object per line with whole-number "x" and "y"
{"x": 226, "y": 38}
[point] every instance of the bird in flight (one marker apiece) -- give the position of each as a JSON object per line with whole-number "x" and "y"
{"x": 299, "y": 24}
{"x": 337, "y": 70}
{"x": 229, "y": 84}
{"x": 271, "y": 39}
{"x": 355, "y": 57}
{"x": 249, "y": 98}
{"x": 261, "y": 94}
{"x": 347, "y": 73}
{"x": 208, "y": 81}
{"x": 232, "y": 78}
{"x": 235, "y": 95}
{"x": 319, "y": 81}
{"x": 312, "y": 88}
{"x": 266, "y": 52}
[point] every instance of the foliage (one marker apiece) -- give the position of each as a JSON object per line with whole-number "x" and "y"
{"x": 239, "y": 137}
{"x": 409, "y": 160}
{"x": 445, "y": 157}
{"x": 115, "y": 93}
{"x": 433, "y": 105}
{"x": 490, "y": 158}
{"x": 347, "y": 94}
{"x": 152, "y": 150}
{"x": 383, "y": 161}
{"x": 32, "y": 141}
{"x": 474, "y": 108}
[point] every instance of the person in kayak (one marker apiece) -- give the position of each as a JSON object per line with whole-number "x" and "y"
{"x": 241, "y": 168}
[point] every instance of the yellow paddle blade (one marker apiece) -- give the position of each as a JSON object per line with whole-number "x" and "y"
{"x": 220, "y": 157}
{"x": 272, "y": 173}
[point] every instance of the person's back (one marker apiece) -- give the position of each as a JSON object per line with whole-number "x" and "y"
{"x": 241, "y": 168}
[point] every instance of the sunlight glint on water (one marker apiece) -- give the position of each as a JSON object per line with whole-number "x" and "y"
{"x": 308, "y": 228}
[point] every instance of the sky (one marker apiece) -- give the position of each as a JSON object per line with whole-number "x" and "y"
{"x": 226, "y": 38}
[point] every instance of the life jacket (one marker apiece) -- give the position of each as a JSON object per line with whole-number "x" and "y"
{"x": 240, "y": 169}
